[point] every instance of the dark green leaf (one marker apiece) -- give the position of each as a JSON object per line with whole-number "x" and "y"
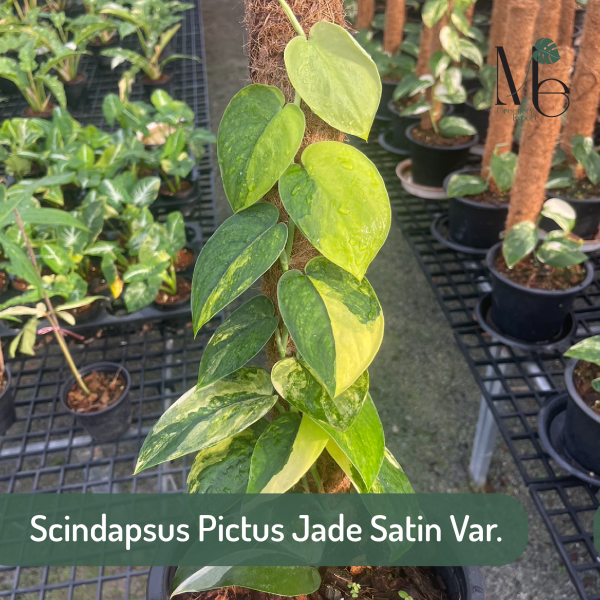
{"x": 546, "y": 51}
{"x": 456, "y": 126}
{"x": 520, "y": 241}
{"x": 466, "y": 185}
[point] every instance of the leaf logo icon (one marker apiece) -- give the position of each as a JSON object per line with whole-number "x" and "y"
{"x": 546, "y": 52}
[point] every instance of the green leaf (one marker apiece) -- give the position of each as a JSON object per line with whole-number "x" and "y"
{"x": 335, "y": 77}
{"x": 359, "y": 450}
{"x": 502, "y": 169}
{"x": 235, "y": 256}
{"x": 587, "y": 350}
{"x": 241, "y": 337}
{"x": 284, "y": 453}
{"x": 203, "y": 417}
{"x": 335, "y": 321}
{"x": 417, "y": 108}
{"x": 339, "y": 202}
{"x": 140, "y": 294}
{"x": 225, "y": 467}
{"x": 295, "y": 383}
{"x": 433, "y": 11}
{"x": 145, "y": 191}
{"x": 562, "y": 253}
{"x": 20, "y": 263}
{"x": 438, "y": 63}
{"x": 560, "y": 178}
{"x": 282, "y": 581}
{"x": 460, "y": 22}
{"x": 258, "y": 138}
{"x": 456, "y": 126}
{"x": 561, "y": 212}
{"x": 51, "y": 216}
{"x": 520, "y": 241}
{"x": 56, "y": 258}
{"x": 391, "y": 478}
{"x": 546, "y": 51}
{"x": 175, "y": 239}
{"x": 466, "y": 185}
{"x": 450, "y": 41}
{"x": 56, "y": 87}
{"x": 470, "y": 51}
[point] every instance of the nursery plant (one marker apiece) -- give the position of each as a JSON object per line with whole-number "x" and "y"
{"x": 156, "y": 22}
{"x": 17, "y": 137}
{"x": 588, "y": 353}
{"x": 310, "y": 423}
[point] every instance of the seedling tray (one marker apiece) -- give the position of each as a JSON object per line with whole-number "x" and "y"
{"x": 118, "y": 317}
{"x": 514, "y": 382}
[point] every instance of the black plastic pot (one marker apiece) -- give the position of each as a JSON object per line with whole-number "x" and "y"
{"x": 7, "y": 404}
{"x": 165, "y": 84}
{"x": 175, "y": 305}
{"x": 111, "y": 423}
{"x": 432, "y": 164}
{"x": 75, "y": 90}
{"x": 462, "y": 583}
{"x": 399, "y": 124}
{"x": 387, "y": 92}
{"x": 581, "y": 433}
{"x": 183, "y": 197}
{"x": 479, "y": 118}
{"x": 529, "y": 314}
{"x": 474, "y": 224}
{"x": 104, "y": 61}
{"x": 587, "y": 216}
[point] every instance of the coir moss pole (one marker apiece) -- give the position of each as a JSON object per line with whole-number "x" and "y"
{"x": 535, "y": 154}
{"x": 434, "y": 46}
{"x": 521, "y": 16}
{"x": 585, "y": 91}
{"x": 566, "y": 24}
{"x": 394, "y": 25}
{"x": 365, "y": 13}
{"x": 498, "y": 25}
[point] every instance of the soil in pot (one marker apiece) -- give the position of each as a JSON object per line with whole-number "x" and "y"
{"x": 536, "y": 276}
{"x": 164, "y": 82}
{"x": 184, "y": 291}
{"x": 105, "y": 388}
{"x": 184, "y": 260}
{"x": 431, "y": 138}
{"x": 20, "y": 285}
{"x": 46, "y": 114}
{"x": 491, "y": 198}
{"x": 583, "y": 376}
{"x": 376, "y": 583}
{"x": 187, "y": 191}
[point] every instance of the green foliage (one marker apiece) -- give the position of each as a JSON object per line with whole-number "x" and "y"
{"x": 558, "y": 250}
{"x": 354, "y": 589}
{"x": 484, "y": 97}
{"x": 588, "y": 351}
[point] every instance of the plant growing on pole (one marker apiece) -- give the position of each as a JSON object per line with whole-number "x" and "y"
{"x": 311, "y": 213}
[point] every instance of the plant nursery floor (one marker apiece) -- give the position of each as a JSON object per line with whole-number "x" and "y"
{"x": 420, "y": 381}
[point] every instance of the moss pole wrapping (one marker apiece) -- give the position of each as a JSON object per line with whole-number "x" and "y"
{"x": 566, "y": 26}
{"x": 394, "y": 25}
{"x": 585, "y": 91}
{"x": 521, "y": 15}
{"x": 434, "y": 46}
{"x": 422, "y": 66}
{"x": 498, "y": 25}
{"x": 535, "y": 154}
{"x": 365, "y": 14}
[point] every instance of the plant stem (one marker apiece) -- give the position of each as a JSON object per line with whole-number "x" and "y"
{"x": 51, "y": 314}
{"x": 292, "y": 17}
{"x": 305, "y": 484}
{"x": 317, "y": 478}
{"x": 281, "y": 339}
{"x": 279, "y": 407}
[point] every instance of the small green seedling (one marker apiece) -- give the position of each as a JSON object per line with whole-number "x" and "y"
{"x": 354, "y": 589}
{"x": 405, "y": 595}
{"x": 559, "y": 249}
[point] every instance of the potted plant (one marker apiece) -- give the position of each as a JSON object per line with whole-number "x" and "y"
{"x": 18, "y": 137}
{"x": 479, "y": 101}
{"x": 478, "y": 206}
{"x": 156, "y": 22}
{"x": 582, "y": 420}
{"x": 305, "y": 405}
{"x": 98, "y": 395}
{"x": 534, "y": 283}
{"x": 440, "y": 144}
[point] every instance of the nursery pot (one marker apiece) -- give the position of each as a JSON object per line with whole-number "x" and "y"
{"x": 432, "y": 164}
{"x": 104, "y": 61}
{"x": 190, "y": 194}
{"x": 527, "y": 314}
{"x": 387, "y": 92}
{"x": 474, "y": 224}
{"x": 7, "y": 405}
{"x": 163, "y": 83}
{"x": 75, "y": 90}
{"x": 462, "y": 583}
{"x": 587, "y": 218}
{"x": 400, "y": 123}
{"x": 111, "y": 423}
{"x": 479, "y": 118}
{"x": 581, "y": 433}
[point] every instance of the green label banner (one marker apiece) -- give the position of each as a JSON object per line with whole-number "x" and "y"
{"x": 261, "y": 529}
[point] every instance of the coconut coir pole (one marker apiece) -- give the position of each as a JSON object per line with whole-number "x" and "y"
{"x": 566, "y": 26}
{"x": 394, "y": 25}
{"x": 585, "y": 91}
{"x": 434, "y": 45}
{"x": 537, "y": 143}
{"x": 499, "y": 20}
{"x": 521, "y": 15}
{"x": 365, "y": 13}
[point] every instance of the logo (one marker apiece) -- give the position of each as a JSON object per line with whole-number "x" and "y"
{"x": 546, "y": 52}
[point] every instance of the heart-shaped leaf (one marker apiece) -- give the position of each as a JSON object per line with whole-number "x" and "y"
{"x": 561, "y": 212}
{"x": 335, "y": 77}
{"x": 520, "y": 241}
{"x": 296, "y": 384}
{"x": 339, "y": 202}
{"x": 235, "y": 256}
{"x": 203, "y": 417}
{"x": 587, "y": 350}
{"x": 258, "y": 138}
{"x": 284, "y": 452}
{"x": 225, "y": 467}
{"x": 238, "y": 340}
{"x": 359, "y": 450}
{"x": 335, "y": 321}
{"x": 465, "y": 185}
